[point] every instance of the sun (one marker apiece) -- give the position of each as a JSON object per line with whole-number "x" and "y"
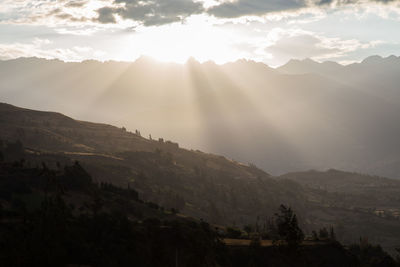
{"x": 178, "y": 42}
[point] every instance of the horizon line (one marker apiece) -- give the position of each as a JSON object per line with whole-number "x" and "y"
{"x": 191, "y": 59}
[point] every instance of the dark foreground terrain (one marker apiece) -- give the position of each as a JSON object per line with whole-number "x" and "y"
{"x": 60, "y": 217}
{"x": 75, "y": 192}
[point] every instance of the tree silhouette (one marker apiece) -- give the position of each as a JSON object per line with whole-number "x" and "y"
{"x": 288, "y": 228}
{"x": 323, "y": 233}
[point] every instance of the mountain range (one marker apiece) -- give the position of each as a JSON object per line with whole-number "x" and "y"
{"x": 303, "y": 115}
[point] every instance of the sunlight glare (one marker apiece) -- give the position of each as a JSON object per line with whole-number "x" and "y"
{"x": 178, "y": 42}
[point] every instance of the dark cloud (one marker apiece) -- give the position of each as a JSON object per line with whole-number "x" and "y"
{"x": 324, "y": 2}
{"x": 106, "y": 15}
{"x": 261, "y": 7}
{"x": 346, "y": 2}
{"x": 75, "y": 4}
{"x": 159, "y": 12}
{"x": 64, "y": 16}
{"x": 154, "y": 12}
{"x": 55, "y": 11}
{"x": 254, "y": 7}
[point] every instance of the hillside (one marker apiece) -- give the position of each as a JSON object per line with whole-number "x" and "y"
{"x": 344, "y": 182}
{"x": 195, "y": 183}
{"x": 280, "y": 122}
{"x": 353, "y": 191}
{"x": 61, "y": 218}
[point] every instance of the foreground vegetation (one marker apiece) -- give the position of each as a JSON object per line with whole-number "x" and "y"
{"x": 56, "y": 217}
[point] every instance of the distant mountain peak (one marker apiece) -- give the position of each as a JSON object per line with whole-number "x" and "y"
{"x": 392, "y": 57}
{"x": 308, "y": 65}
{"x": 145, "y": 59}
{"x": 332, "y": 63}
{"x": 192, "y": 61}
{"x": 293, "y": 61}
{"x": 372, "y": 59}
{"x": 300, "y": 62}
{"x": 309, "y": 60}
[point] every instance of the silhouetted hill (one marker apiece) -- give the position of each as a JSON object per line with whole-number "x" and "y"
{"x": 203, "y": 185}
{"x": 60, "y": 217}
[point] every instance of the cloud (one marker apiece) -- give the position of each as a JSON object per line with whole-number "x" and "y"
{"x": 150, "y": 12}
{"x": 297, "y": 44}
{"x": 239, "y": 8}
{"x": 41, "y": 48}
{"x": 302, "y": 45}
{"x": 131, "y": 13}
{"x": 345, "y": 2}
{"x": 45, "y": 12}
{"x": 76, "y": 4}
{"x": 254, "y": 7}
{"x": 106, "y": 15}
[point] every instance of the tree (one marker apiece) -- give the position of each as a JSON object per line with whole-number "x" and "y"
{"x": 314, "y": 235}
{"x": 232, "y": 232}
{"x": 248, "y": 229}
{"x": 371, "y": 255}
{"x": 75, "y": 177}
{"x": 332, "y": 235}
{"x": 398, "y": 256}
{"x": 323, "y": 233}
{"x": 288, "y": 228}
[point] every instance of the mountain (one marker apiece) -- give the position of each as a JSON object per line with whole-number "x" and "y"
{"x": 295, "y": 66}
{"x": 202, "y": 185}
{"x": 375, "y": 75}
{"x": 243, "y": 110}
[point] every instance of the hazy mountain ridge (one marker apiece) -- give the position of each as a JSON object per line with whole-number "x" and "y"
{"x": 375, "y": 75}
{"x": 282, "y": 122}
{"x": 295, "y": 66}
{"x": 308, "y": 65}
{"x": 200, "y": 184}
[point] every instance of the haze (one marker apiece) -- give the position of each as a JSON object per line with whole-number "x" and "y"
{"x": 303, "y": 115}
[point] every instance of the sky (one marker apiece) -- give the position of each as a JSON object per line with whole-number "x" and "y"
{"x": 269, "y": 31}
